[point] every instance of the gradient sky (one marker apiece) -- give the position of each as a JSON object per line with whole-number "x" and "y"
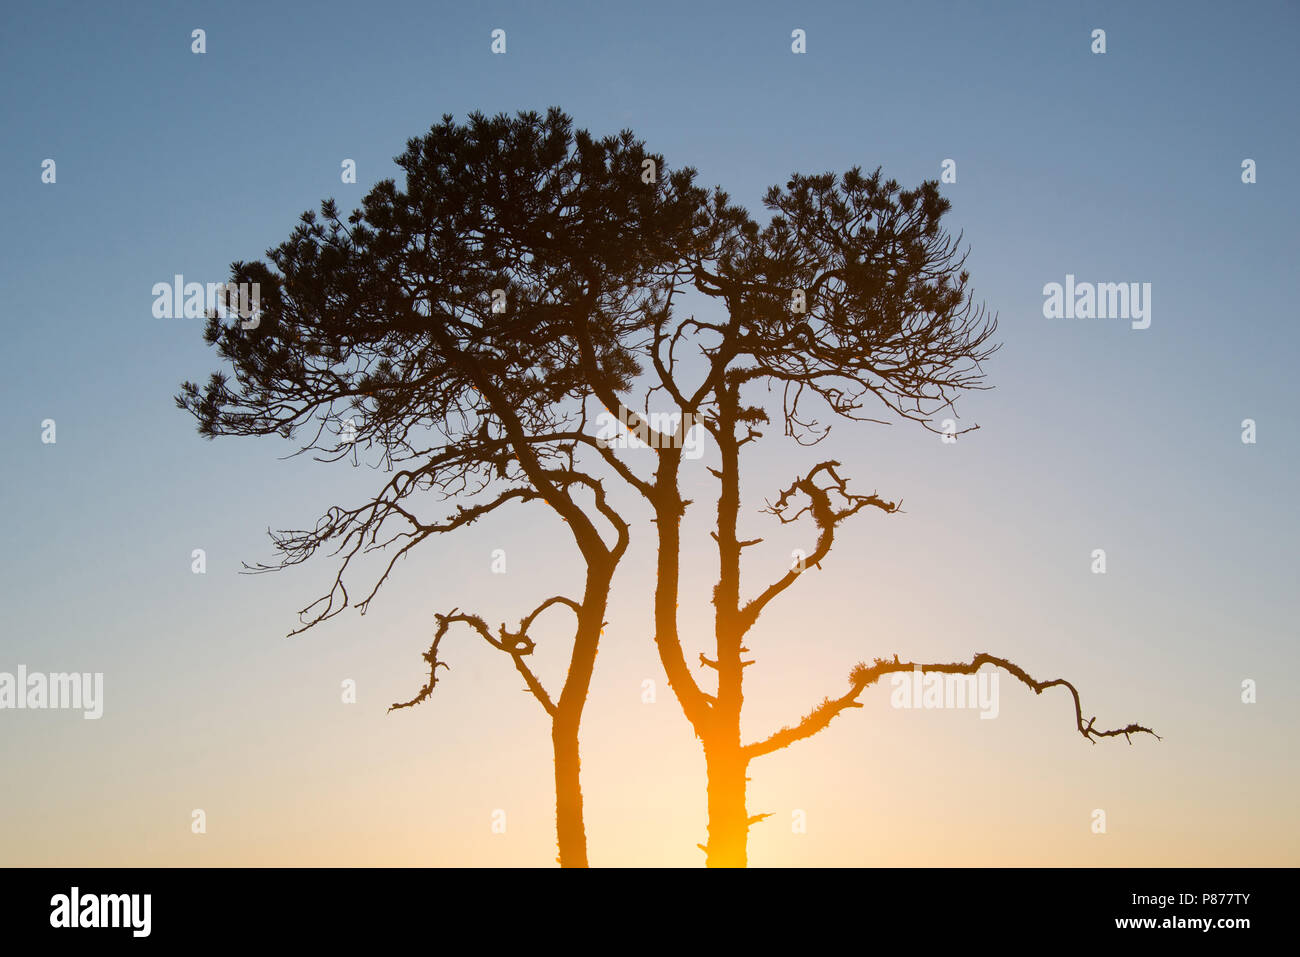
{"x": 1122, "y": 167}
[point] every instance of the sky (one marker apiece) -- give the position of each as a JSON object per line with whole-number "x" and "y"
{"x": 1122, "y": 166}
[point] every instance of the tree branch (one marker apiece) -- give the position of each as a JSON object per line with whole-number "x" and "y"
{"x": 516, "y": 644}
{"x": 863, "y": 676}
{"x": 825, "y": 515}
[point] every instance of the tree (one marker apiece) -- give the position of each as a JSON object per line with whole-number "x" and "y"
{"x": 473, "y": 322}
{"x": 444, "y": 332}
{"x": 852, "y": 293}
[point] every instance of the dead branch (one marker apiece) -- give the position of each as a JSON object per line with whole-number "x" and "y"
{"x": 863, "y": 676}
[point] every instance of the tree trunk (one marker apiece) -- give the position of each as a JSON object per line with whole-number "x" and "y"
{"x": 728, "y": 819}
{"x": 571, "y": 836}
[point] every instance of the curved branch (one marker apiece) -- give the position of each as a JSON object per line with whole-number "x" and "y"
{"x": 516, "y": 644}
{"x": 863, "y": 676}
{"x": 826, "y": 516}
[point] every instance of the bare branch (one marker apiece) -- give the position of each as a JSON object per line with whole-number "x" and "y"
{"x": 863, "y": 676}
{"x": 516, "y": 644}
{"x": 825, "y": 515}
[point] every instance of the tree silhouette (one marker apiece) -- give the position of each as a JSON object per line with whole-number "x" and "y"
{"x": 851, "y": 294}
{"x": 470, "y": 325}
{"x": 444, "y": 331}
